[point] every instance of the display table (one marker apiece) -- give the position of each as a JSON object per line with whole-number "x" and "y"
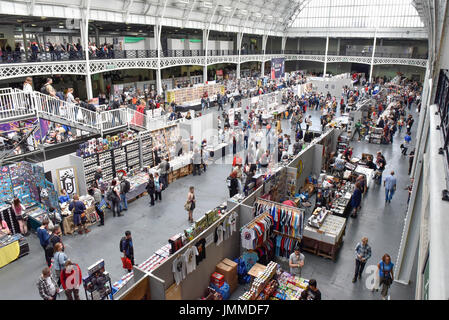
{"x": 256, "y": 270}
{"x": 12, "y": 248}
{"x": 326, "y": 240}
{"x": 35, "y": 217}
{"x": 92, "y": 218}
{"x": 367, "y": 172}
{"x": 138, "y": 185}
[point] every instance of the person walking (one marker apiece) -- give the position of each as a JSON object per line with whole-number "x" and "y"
{"x": 385, "y": 267}
{"x": 157, "y": 187}
{"x": 164, "y": 167}
{"x": 296, "y": 262}
{"x": 113, "y": 195}
{"x": 125, "y": 186}
{"x": 191, "y": 203}
{"x": 71, "y": 280}
{"x": 79, "y": 214}
{"x": 44, "y": 238}
{"x": 390, "y": 187}
{"x": 127, "y": 247}
{"x": 362, "y": 254}
{"x": 357, "y": 127}
{"x": 48, "y": 288}
{"x": 406, "y": 144}
{"x": 96, "y": 194}
{"x": 150, "y": 189}
{"x": 308, "y": 122}
{"x": 233, "y": 184}
{"x": 58, "y": 262}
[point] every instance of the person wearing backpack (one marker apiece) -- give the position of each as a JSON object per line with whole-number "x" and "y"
{"x": 113, "y": 195}
{"x": 150, "y": 189}
{"x": 157, "y": 187}
{"x": 127, "y": 248}
{"x": 125, "y": 186}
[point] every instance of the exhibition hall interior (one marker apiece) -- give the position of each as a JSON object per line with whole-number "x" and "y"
{"x": 228, "y": 150}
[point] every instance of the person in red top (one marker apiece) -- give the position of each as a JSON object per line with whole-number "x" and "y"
{"x": 71, "y": 280}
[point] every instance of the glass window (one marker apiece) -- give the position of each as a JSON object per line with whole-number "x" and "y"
{"x": 359, "y": 14}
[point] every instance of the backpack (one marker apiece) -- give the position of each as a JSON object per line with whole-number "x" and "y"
{"x": 110, "y": 195}
{"x": 121, "y": 244}
{"x": 125, "y": 186}
{"x": 228, "y": 182}
{"x": 49, "y": 247}
{"x": 44, "y": 89}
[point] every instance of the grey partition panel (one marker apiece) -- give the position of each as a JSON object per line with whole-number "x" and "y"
{"x": 246, "y": 215}
{"x": 78, "y": 163}
{"x": 318, "y": 159}
{"x": 157, "y": 288}
{"x": 137, "y": 275}
{"x": 195, "y": 284}
{"x": 185, "y": 129}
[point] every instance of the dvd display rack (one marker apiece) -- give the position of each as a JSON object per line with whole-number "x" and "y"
{"x": 147, "y": 149}
{"x": 132, "y": 155}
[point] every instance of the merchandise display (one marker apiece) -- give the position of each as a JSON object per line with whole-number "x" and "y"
{"x": 260, "y": 282}
{"x": 12, "y": 247}
{"x": 194, "y": 93}
{"x": 289, "y": 287}
{"x": 91, "y": 214}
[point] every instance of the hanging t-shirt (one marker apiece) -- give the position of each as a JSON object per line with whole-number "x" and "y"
{"x": 247, "y": 237}
{"x": 179, "y": 269}
{"x": 233, "y": 222}
{"x": 201, "y": 246}
{"x": 219, "y": 233}
{"x": 190, "y": 260}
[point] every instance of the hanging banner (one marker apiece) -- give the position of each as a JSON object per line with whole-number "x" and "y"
{"x": 277, "y": 68}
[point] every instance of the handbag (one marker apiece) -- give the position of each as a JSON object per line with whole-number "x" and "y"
{"x": 187, "y": 206}
{"x": 385, "y": 280}
{"x": 126, "y": 262}
{"x": 102, "y": 205}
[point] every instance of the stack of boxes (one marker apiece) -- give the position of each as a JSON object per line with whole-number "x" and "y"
{"x": 228, "y": 269}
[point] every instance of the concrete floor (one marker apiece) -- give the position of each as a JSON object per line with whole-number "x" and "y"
{"x": 152, "y": 226}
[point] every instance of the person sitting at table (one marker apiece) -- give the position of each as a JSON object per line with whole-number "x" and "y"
{"x": 4, "y": 228}
{"x": 370, "y": 164}
{"x": 64, "y": 197}
{"x": 320, "y": 200}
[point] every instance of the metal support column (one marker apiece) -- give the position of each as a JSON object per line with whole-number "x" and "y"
{"x": 157, "y": 38}
{"x": 264, "y": 49}
{"x": 25, "y": 46}
{"x": 84, "y": 28}
{"x": 239, "y": 48}
{"x": 205, "y": 48}
{"x": 283, "y": 43}
{"x": 325, "y": 57}
{"x": 372, "y": 58}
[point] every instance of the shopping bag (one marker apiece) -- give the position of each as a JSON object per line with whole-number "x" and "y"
{"x": 126, "y": 262}
{"x": 102, "y": 205}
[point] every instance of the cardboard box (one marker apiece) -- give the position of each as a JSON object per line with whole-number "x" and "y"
{"x": 230, "y": 263}
{"x": 227, "y": 271}
{"x": 233, "y": 284}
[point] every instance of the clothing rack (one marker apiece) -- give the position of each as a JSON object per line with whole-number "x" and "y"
{"x": 252, "y": 236}
{"x": 284, "y": 229}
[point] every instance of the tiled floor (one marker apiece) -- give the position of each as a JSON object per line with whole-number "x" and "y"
{"x": 152, "y": 226}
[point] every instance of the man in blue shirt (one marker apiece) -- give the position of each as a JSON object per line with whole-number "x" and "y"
{"x": 390, "y": 187}
{"x": 127, "y": 247}
{"x": 44, "y": 238}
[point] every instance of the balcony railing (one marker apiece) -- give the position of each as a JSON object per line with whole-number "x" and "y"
{"x": 21, "y": 57}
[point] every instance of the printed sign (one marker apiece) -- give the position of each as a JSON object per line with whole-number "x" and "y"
{"x": 67, "y": 180}
{"x": 277, "y": 68}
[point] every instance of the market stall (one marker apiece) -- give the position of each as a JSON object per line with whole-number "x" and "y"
{"x": 91, "y": 214}
{"x": 12, "y": 247}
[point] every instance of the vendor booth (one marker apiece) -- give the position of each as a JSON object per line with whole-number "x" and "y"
{"x": 242, "y": 252}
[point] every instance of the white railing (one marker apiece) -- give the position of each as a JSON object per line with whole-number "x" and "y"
{"x": 136, "y": 118}
{"x": 113, "y": 119}
{"x": 16, "y": 104}
{"x": 56, "y": 108}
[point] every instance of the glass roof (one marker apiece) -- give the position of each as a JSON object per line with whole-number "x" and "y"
{"x": 358, "y": 14}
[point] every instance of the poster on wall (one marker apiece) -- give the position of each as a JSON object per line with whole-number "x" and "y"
{"x": 277, "y": 68}
{"x": 67, "y": 180}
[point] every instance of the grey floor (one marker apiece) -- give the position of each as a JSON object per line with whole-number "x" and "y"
{"x": 152, "y": 226}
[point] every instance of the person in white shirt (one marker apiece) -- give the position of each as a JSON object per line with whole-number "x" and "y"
{"x": 27, "y": 85}
{"x": 70, "y": 98}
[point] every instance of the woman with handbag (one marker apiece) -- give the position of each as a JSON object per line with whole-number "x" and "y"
{"x": 79, "y": 214}
{"x": 58, "y": 262}
{"x": 385, "y": 268}
{"x": 99, "y": 202}
{"x": 157, "y": 186}
{"x": 191, "y": 203}
{"x": 21, "y": 216}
